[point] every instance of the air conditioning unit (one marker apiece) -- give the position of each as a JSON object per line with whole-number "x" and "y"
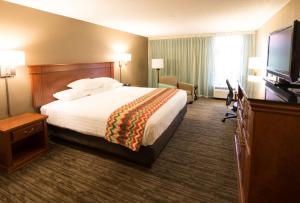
{"x": 220, "y": 92}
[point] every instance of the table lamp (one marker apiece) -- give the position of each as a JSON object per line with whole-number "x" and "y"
{"x": 255, "y": 65}
{"x": 9, "y": 60}
{"x": 157, "y": 64}
{"x": 123, "y": 59}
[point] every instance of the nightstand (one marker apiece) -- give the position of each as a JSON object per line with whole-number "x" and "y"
{"x": 22, "y": 139}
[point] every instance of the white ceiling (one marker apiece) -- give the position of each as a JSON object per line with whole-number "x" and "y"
{"x": 154, "y": 18}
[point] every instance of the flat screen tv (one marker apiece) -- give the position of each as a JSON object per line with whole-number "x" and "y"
{"x": 284, "y": 53}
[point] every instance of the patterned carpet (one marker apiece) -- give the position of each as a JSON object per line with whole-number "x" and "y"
{"x": 197, "y": 165}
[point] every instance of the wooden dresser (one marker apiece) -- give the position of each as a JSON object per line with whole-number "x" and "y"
{"x": 267, "y": 144}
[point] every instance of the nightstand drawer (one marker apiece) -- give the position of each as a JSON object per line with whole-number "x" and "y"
{"x": 27, "y": 131}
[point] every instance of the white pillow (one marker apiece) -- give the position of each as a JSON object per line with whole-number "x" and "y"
{"x": 84, "y": 84}
{"x": 116, "y": 85}
{"x": 105, "y": 81}
{"x": 99, "y": 90}
{"x": 106, "y": 88}
{"x": 70, "y": 94}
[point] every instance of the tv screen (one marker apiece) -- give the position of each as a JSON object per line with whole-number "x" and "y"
{"x": 280, "y": 48}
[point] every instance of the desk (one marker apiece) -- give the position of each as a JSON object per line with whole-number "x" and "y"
{"x": 267, "y": 142}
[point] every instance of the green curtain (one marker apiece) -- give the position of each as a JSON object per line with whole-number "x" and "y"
{"x": 248, "y": 50}
{"x": 189, "y": 59}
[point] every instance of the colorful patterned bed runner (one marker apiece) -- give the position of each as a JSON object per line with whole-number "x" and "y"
{"x": 126, "y": 125}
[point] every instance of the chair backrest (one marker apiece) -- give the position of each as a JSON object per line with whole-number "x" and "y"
{"x": 170, "y": 80}
{"x": 230, "y": 94}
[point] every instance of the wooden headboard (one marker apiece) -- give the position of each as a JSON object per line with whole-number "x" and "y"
{"x": 48, "y": 79}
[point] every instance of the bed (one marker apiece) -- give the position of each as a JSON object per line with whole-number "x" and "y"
{"x": 83, "y": 121}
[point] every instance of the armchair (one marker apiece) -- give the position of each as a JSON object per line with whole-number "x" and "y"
{"x": 171, "y": 81}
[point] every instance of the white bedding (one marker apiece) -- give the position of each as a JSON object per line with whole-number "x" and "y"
{"x": 88, "y": 115}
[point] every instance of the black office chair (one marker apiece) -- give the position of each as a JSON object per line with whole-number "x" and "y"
{"x": 230, "y": 95}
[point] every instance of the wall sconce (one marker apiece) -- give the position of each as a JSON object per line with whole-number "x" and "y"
{"x": 9, "y": 60}
{"x": 123, "y": 59}
{"x": 157, "y": 64}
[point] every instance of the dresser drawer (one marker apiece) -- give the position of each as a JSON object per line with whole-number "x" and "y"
{"x": 243, "y": 134}
{"x": 243, "y": 113}
{"x": 27, "y": 131}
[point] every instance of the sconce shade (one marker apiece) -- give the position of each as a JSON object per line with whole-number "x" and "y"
{"x": 157, "y": 63}
{"x": 12, "y": 58}
{"x": 8, "y": 62}
{"x": 123, "y": 57}
{"x": 255, "y": 63}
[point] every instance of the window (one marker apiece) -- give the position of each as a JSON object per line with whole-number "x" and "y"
{"x": 228, "y": 60}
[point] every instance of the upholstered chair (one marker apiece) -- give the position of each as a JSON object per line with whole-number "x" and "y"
{"x": 171, "y": 82}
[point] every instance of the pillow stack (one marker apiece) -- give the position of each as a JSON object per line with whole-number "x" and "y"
{"x": 84, "y": 87}
{"x": 70, "y": 94}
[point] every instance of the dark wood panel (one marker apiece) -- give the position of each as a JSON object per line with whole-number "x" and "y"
{"x": 269, "y": 163}
{"x": 12, "y": 123}
{"x": 48, "y": 79}
{"x": 22, "y": 139}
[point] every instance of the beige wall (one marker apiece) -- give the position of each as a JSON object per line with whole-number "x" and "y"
{"x": 50, "y": 39}
{"x": 283, "y": 18}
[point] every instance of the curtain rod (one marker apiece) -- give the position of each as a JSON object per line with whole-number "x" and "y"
{"x": 201, "y": 35}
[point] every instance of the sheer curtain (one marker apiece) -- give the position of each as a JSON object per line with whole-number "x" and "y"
{"x": 189, "y": 59}
{"x": 231, "y": 54}
{"x": 228, "y": 59}
{"x": 249, "y": 50}
{"x": 205, "y": 61}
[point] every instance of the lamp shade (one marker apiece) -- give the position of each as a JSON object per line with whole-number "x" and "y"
{"x": 255, "y": 63}
{"x": 124, "y": 57}
{"x": 12, "y": 58}
{"x": 157, "y": 63}
{"x": 8, "y": 62}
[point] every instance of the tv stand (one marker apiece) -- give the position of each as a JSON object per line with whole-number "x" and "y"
{"x": 286, "y": 86}
{"x": 283, "y": 84}
{"x": 267, "y": 145}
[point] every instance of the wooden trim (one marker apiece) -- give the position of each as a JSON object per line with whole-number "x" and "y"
{"x": 16, "y": 122}
{"x": 275, "y": 107}
{"x": 50, "y": 68}
{"x": 51, "y": 78}
{"x": 240, "y": 184}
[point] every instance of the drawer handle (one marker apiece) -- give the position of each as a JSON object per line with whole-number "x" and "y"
{"x": 242, "y": 143}
{"x": 240, "y": 138}
{"x": 30, "y": 131}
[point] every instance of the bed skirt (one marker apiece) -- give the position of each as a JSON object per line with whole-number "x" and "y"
{"x": 145, "y": 156}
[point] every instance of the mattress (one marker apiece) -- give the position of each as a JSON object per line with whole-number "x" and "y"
{"x": 88, "y": 115}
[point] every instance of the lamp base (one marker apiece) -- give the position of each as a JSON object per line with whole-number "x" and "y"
{"x": 7, "y": 97}
{"x": 120, "y": 67}
{"x": 157, "y": 76}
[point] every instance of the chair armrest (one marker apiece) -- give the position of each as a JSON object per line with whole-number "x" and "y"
{"x": 186, "y": 86}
